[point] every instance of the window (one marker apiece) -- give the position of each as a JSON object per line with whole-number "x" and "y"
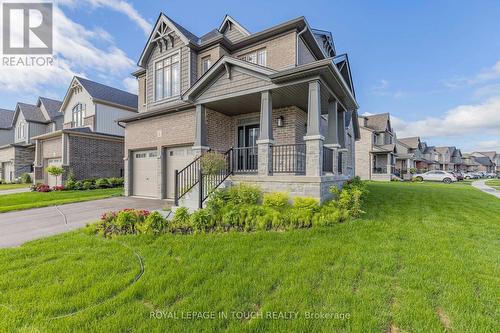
{"x": 21, "y": 130}
{"x": 167, "y": 77}
{"x": 205, "y": 64}
{"x": 339, "y": 163}
{"x": 257, "y": 57}
{"x": 77, "y": 115}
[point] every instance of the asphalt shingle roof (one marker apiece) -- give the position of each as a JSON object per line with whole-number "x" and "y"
{"x": 31, "y": 113}
{"x": 189, "y": 35}
{"x": 410, "y": 142}
{"x": 210, "y": 35}
{"x": 52, "y": 106}
{"x": 377, "y": 122}
{"x": 483, "y": 160}
{"x": 109, "y": 94}
{"x": 6, "y": 117}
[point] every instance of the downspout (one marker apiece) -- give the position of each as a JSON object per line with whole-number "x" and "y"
{"x": 297, "y": 46}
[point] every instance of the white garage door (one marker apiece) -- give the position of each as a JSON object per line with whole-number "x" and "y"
{"x": 8, "y": 172}
{"x": 51, "y": 180}
{"x": 144, "y": 171}
{"x": 177, "y": 159}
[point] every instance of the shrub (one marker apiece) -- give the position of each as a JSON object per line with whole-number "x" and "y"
{"x": 42, "y": 188}
{"x": 26, "y": 178}
{"x": 154, "y": 224}
{"x": 276, "y": 200}
{"x": 71, "y": 176}
{"x": 58, "y": 188}
{"x": 245, "y": 194}
{"x": 115, "y": 182}
{"x": 79, "y": 185}
{"x": 181, "y": 220}
{"x": 306, "y": 203}
{"x": 87, "y": 185}
{"x": 71, "y": 185}
{"x": 212, "y": 163}
{"x": 202, "y": 221}
{"x": 102, "y": 183}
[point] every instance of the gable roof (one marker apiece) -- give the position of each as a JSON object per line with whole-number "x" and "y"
{"x": 444, "y": 150}
{"x": 229, "y": 20}
{"x": 412, "y": 142}
{"x": 52, "y": 106}
{"x": 6, "y": 117}
{"x": 490, "y": 154}
{"x": 483, "y": 160}
{"x": 30, "y": 112}
{"x": 342, "y": 62}
{"x": 104, "y": 93}
{"x": 378, "y": 122}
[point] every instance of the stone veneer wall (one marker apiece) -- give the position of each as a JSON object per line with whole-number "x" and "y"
{"x": 24, "y": 159}
{"x": 95, "y": 157}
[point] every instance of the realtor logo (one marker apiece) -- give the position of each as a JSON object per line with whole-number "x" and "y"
{"x": 27, "y": 28}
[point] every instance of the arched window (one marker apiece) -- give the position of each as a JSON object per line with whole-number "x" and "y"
{"x": 77, "y": 115}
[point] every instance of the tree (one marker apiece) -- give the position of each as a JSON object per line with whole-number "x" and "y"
{"x": 55, "y": 171}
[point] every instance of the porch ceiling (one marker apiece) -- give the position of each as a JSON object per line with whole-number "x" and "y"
{"x": 290, "y": 95}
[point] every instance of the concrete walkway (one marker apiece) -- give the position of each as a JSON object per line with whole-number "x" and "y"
{"x": 480, "y": 184}
{"x": 15, "y": 190}
{"x": 19, "y": 227}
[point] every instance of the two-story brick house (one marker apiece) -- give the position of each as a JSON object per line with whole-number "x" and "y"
{"x": 89, "y": 143}
{"x": 275, "y": 102}
{"x": 450, "y": 158}
{"x": 28, "y": 121}
{"x": 376, "y": 151}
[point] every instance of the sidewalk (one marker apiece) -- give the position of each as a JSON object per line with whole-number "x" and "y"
{"x": 483, "y": 187}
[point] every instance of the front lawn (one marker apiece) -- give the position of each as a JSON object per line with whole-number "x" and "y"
{"x": 13, "y": 186}
{"x": 493, "y": 183}
{"x": 425, "y": 258}
{"x": 20, "y": 201}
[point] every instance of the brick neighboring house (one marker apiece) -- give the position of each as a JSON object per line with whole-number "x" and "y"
{"x": 450, "y": 158}
{"x": 376, "y": 151}
{"x": 494, "y": 158}
{"x": 90, "y": 143}
{"x": 28, "y": 121}
{"x": 416, "y": 153}
{"x": 275, "y": 102}
{"x": 485, "y": 161}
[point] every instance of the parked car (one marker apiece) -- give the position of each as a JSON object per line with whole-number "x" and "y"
{"x": 491, "y": 175}
{"x": 458, "y": 175}
{"x": 437, "y": 176}
{"x": 471, "y": 175}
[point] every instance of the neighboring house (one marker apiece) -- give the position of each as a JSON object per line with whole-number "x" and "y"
{"x": 90, "y": 142}
{"x": 28, "y": 121}
{"x": 405, "y": 159}
{"x": 469, "y": 163}
{"x": 450, "y": 158}
{"x": 416, "y": 155}
{"x": 6, "y": 129}
{"x": 274, "y": 102}
{"x": 431, "y": 157}
{"x": 493, "y": 156}
{"x": 376, "y": 151}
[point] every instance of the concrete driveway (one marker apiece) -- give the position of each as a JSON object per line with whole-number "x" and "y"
{"x": 14, "y": 191}
{"x": 19, "y": 227}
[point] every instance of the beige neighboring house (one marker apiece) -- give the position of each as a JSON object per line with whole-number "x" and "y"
{"x": 376, "y": 151}
{"x": 450, "y": 158}
{"x": 275, "y": 103}
{"x": 484, "y": 161}
{"x": 90, "y": 143}
{"x": 28, "y": 121}
{"x": 494, "y": 158}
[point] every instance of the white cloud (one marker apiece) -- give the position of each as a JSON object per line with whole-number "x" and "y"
{"x": 383, "y": 88}
{"x": 120, "y": 6}
{"x": 76, "y": 53}
{"x": 489, "y": 145}
{"x": 480, "y": 119}
{"x": 131, "y": 85}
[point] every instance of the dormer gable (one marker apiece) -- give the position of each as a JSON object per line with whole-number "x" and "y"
{"x": 232, "y": 30}
{"x": 164, "y": 36}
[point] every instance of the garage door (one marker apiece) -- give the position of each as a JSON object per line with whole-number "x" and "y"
{"x": 177, "y": 159}
{"x": 8, "y": 172}
{"x": 51, "y": 180}
{"x": 145, "y": 174}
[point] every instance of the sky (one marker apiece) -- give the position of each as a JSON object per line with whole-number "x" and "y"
{"x": 433, "y": 65}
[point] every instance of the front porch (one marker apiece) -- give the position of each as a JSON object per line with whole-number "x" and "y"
{"x": 288, "y": 138}
{"x": 383, "y": 166}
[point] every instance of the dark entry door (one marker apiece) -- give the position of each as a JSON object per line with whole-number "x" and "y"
{"x": 247, "y": 148}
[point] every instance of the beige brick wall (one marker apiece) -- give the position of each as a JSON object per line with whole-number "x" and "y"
{"x": 166, "y": 130}
{"x": 363, "y": 147}
{"x": 214, "y": 53}
{"x": 51, "y": 148}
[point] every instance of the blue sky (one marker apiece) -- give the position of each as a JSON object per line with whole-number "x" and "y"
{"x": 434, "y": 65}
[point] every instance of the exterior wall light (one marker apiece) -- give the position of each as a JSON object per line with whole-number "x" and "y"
{"x": 281, "y": 121}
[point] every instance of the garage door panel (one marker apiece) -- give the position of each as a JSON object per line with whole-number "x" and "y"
{"x": 177, "y": 159}
{"x": 144, "y": 171}
{"x": 51, "y": 180}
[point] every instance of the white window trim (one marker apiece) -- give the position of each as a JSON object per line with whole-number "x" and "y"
{"x": 256, "y": 53}
{"x": 173, "y": 97}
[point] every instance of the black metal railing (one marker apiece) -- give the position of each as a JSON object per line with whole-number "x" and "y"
{"x": 327, "y": 159}
{"x": 210, "y": 182}
{"x": 288, "y": 159}
{"x": 379, "y": 170}
{"x": 186, "y": 179}
{"x": 245, "y": 159}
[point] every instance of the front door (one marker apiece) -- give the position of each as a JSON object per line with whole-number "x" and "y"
{"x": 247, "y": 142}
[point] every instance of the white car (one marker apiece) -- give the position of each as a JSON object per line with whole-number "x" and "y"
{"x": 436, "y": 176}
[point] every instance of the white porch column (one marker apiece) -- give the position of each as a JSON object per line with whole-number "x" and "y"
{"x": 266, "y": 134}
{"x": 38, "y": 153}
{"x": 200, "y": 139}
{"x": 65, "y": 149}
{"x": 314, "y": 139}
{"x": 341, "y": 128}
{"x": 332, "y": 139}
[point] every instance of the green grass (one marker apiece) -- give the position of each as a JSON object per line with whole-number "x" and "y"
{"x": 425, "y": 258}
{"x": 20, "y": 201}
{"x": 12, "y": 186}
{"x": 494, "y": 183}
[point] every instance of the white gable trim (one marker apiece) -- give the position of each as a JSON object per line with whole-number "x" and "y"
{"x": 228, "y": 19}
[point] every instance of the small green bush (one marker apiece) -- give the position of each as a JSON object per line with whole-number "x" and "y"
{"x": 154, "y": 224}
{"x": 212, "y": 163}
{"x": 115, "y": 182}
{"x": 181, "y": 220}
{"x": 79, "y": 185}
{"x": 88, "y": 185}
{"x": 306, "y": 203}
{"x": 202, "y": 221}
{"x": 276, "y": 200}
{"x": 71, "y": 185}
{"x": 26, "y": 178}
{"x": 245, "y": 194}
{"x": 102, "y": 183}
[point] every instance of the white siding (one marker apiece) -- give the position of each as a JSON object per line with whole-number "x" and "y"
{"x": 106, "y": 119}
{"x": 82, "y": 97}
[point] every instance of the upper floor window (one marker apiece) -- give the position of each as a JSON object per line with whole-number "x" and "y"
{"x": 77, "y": 115}
{"x": 257, "y": 57}
{"x": 21, "y": 130}
{"x": 206, "y": 62}
{"x": 167, "y": 77}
